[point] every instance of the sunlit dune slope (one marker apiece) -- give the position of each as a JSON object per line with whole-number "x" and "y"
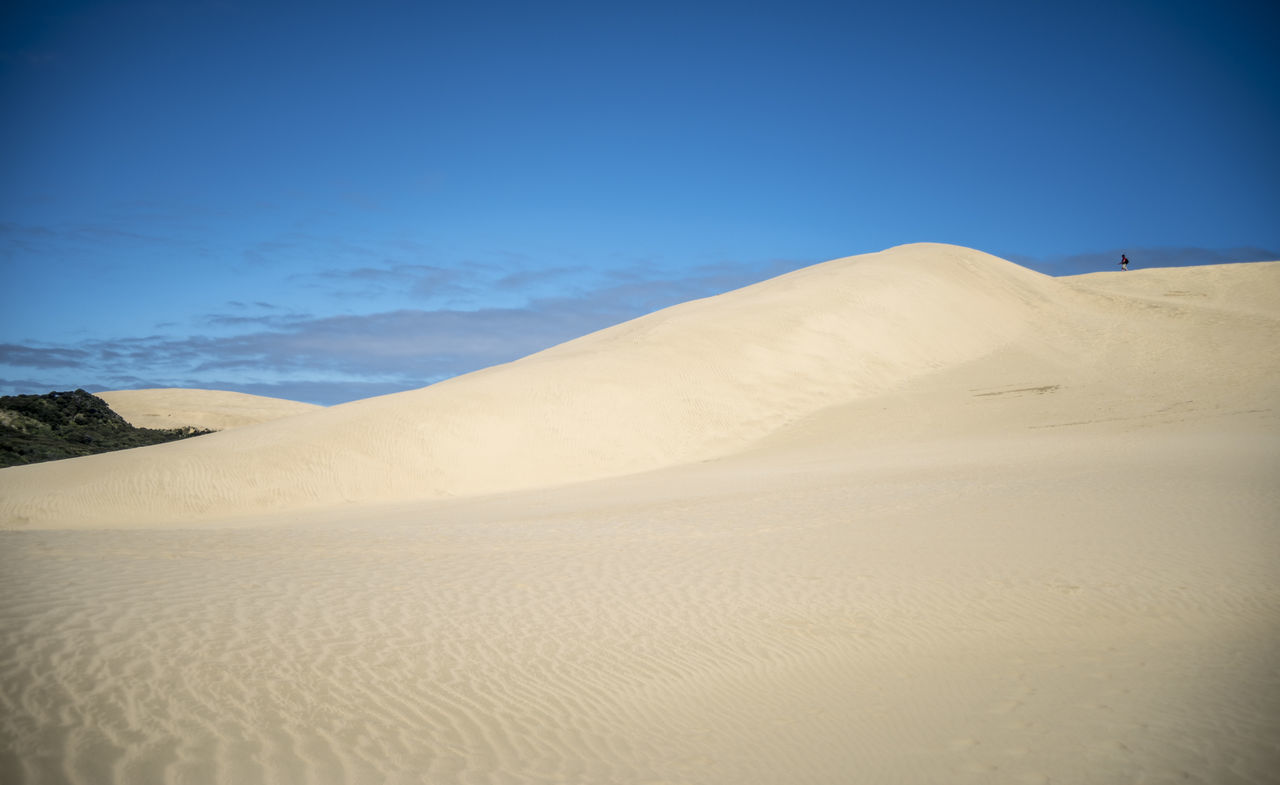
{"x": 214, "y": 410}
{"x": 692, "y": 382}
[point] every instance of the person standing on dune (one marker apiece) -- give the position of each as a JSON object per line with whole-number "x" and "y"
{"x": 1124, "y": 262}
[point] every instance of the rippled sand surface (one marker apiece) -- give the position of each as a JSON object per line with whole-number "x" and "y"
{"x": 927, "y": 623}
{"x": 1038, "y": 565}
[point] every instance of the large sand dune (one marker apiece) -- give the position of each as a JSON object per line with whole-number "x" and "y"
{"x": 915, "y": 517}
{"x": 693, "y": 382}
{"x": 212, "y": 410}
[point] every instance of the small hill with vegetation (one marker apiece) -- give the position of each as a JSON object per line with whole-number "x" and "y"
{"x": 36, "y": 428}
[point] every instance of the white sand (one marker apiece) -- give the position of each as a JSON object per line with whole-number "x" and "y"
{"x": 212, "y": 410}
{"x": 916, "y": 517}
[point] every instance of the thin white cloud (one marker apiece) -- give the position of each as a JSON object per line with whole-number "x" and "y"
{"x": 20, "y": 356}
{"x": 346, "y": 355}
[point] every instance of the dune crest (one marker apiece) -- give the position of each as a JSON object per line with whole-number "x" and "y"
{"x": 692, "y": 382}
{"x": 965, "y": 524}
{"x": 212, "y": 410}
{"x": 688, "y": 383}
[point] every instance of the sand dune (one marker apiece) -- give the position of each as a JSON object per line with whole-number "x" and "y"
{"x": 916, "y": 517}
{"x": 212, "y": 410}
{"x": 689, "y": 383}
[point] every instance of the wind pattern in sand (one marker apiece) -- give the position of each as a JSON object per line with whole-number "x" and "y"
{"x": 1038, "y": 550}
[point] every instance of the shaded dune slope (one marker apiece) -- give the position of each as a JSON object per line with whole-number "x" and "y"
{"x": 692, "y": 382}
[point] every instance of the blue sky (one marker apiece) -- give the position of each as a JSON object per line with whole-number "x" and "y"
{"x": 325, "y": 201}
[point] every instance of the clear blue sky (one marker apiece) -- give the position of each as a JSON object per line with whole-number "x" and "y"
{"x": 324, "y": 201}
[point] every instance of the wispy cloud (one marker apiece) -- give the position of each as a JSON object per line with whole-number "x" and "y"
{"x": 42, "y": 356}
{"x": 242, "y": 320}
{"x": 417, "y": 280}
{"x": 525, "y": 280}
{"x": 258, "y": 304}
{"x": 329, "y": 359}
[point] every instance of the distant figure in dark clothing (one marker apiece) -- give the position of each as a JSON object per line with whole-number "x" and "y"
{"x": 1124, "y": 262}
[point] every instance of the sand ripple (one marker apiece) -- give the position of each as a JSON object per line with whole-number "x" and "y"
{"x": 788, "y": 634}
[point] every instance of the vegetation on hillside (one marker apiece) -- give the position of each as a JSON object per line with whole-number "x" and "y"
{"x": 35, "y": 428}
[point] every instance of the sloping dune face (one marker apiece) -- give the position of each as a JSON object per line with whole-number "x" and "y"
{"x": 688, "y": 383}
{"x": 998, "y": 529}
{"x": 213, "y": 410}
